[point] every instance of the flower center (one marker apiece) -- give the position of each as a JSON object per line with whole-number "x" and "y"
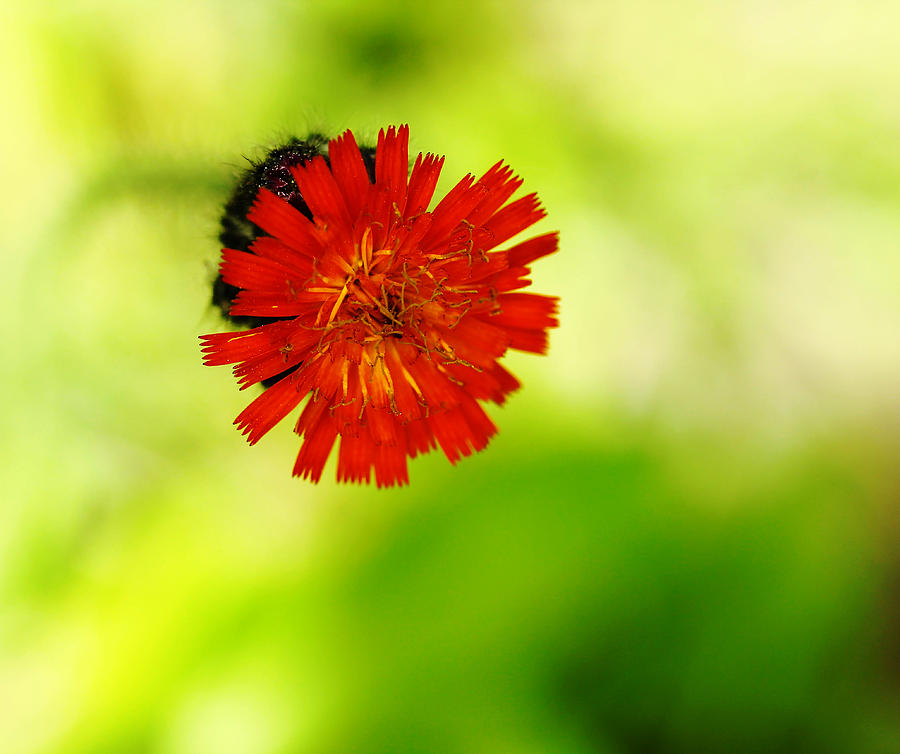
{"x": 368, "y": 295}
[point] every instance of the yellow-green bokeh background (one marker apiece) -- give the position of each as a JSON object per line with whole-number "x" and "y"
{"x": 684, "y": 538}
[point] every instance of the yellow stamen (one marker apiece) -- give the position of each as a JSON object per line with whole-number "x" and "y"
{"x": 337, "y": 304}
{"x": 343, "y": 264}
{"x": 362, "y": 382}
{"x": 344, "y": 376}
{"x": 365, "y": 248}
{"x": 409, "y": 379}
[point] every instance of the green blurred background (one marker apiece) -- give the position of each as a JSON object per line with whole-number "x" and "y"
{"x": 684, "y": 538}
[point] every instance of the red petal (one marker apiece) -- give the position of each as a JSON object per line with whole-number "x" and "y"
{"x": 481, "y": 428}
{"x": 321, "y": 432}
{"x": 477, "y": 342}
{"x": 514, "y": 218}
{"x": 383, "y": 425}
{"x": 382, "y": 211}
{"x": 355, "y": 457}
{"x": 280, "y": 219}
{"x": 419, "y": 437}
{"x": 321, "y": 193}
{"x": 292, "y": 352}
{"x": 231, "y": 347}
{"x": 509, "y": 280}
{"x": 435, "y": 388}
{"x": 405, "y": 397}
{"x": 406, "y": 237}
{"x": 268, "y": 409}
{"x": 501, "y": 184}
{"x": 390, "y": 465}
{"x": 349, "y": 171}
{"x": 533, "y": 341}
{"x": 534, "y": 248}
{"x": 392, "y": 164}
{"x": 258, "y": 304}
{"x": 526, "y": 310}
{"x": 422, "y": 182}
{"x": 245, "y": 270}
{"x": 450, "y": 211}
{"x": 268, "y": 247}
{"x": 484, "y": 384}
{"x": 461, "y": 430}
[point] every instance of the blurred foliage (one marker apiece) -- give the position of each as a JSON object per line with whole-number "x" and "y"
{"x": 684, "y": 538}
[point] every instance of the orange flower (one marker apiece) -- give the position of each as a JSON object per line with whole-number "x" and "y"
{"x": 391, "y": 318}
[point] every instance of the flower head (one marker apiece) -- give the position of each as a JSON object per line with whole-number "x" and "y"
{"x": 388, "y": 318}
